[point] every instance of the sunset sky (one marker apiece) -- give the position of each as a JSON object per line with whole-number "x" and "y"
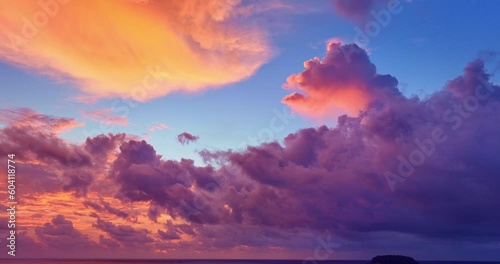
{"x": 252, "y": 129}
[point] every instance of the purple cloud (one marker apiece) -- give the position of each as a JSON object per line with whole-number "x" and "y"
{"x": 61, "y": 234}
{"x": 186, "y": 138}
{"x": 126, "y": 235}
{"x": 404, "y": 169}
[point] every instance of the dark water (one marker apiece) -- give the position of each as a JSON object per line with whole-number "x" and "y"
{"x": 175, "y": 262}
{"x": 31, "y": 261}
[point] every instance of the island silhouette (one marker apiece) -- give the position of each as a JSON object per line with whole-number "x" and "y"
{"x": 392, "y": 259}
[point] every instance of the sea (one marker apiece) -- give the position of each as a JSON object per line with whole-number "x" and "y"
{"x": 59, "y": 261}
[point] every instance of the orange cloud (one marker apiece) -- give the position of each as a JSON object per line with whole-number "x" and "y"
{"x": 134, "y": 49}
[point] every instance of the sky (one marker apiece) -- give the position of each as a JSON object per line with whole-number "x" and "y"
{"x": 330, "y": 129}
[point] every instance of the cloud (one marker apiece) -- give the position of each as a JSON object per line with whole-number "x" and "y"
{"x": 127, "y": 235}
{"x": 105, "y": 116}
{"x": 41, "y": 144}
{"x": 158, "y": 127}
{"x": 156, "y": 48}
{"x": 61, "y": 234}
{"x": 109, "y": 243}
{"x": 36, "y": 134}
{"x": 171, "y": 234}
{"x": 93, "y": 205}
{"x": 101, "y": 146}
{"x": 186, "y": 138}
{"x": 322, "y": 180}
{"x": 30, "y": 119}
{"x": 51, "y": 163}
{"x": 104, "y": 206}
{"x": 79, "y": 180}
{"x": 334, "y": 179}
{"x": 114, "y": 211}
{"x": 172, "y": 185}
{"x": 337, "y": 176}
{"x": 344, "y": 81}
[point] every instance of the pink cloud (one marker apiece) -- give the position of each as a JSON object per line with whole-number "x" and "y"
{"x": 25, "y": 117}
{"x": 158, "y": 127}
{"x": 344, "y": 81}
{"x": 105, "y": 116}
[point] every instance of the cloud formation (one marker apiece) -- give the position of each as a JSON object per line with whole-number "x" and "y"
{"x": 186, "y": 138}
{"x": 124, "y": 234}
{"x": 105, "y": 116}
{"x": 439, "y": 153}
{"x": 158, "y": 127}
{"x": 29, "y": 118}
{"x": 335, "y": 179}
{"x": 61, "y": 234}
{"x": 156, "y": 48}
{"x": 344, "y": 81}
{"x": 36, "y": 134}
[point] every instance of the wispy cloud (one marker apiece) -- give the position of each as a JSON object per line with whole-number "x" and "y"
{"x": 105, "y": 116}
{"x": 157, "y": 127}
{"x": 29, "y": 118}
